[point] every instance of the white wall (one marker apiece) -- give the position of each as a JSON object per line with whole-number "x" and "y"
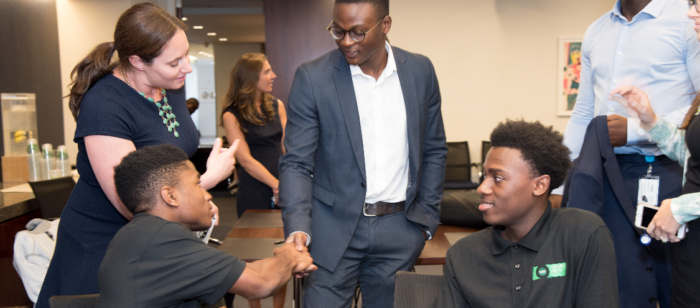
{"x": 192, "y": 88}
{"x": 207, "y": 102}
{"x": 82, "y": 25}
{"x": 198, "y": 52}
{"x": 495, "y": 59}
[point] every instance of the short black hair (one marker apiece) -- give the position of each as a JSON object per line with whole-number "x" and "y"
{"x": 381, "y": 5}
{"x": 540, "y": 146}
{"x": 142, "y": 173}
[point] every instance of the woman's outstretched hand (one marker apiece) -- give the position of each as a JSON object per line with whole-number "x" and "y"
{"x": 637, "y": 104}
{"x": 219, "y": 164}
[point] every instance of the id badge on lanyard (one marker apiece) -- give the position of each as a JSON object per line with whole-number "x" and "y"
{"x": 648, "y": 186}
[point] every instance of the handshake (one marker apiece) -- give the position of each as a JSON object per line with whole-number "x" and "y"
{"x": 299, "y": 261}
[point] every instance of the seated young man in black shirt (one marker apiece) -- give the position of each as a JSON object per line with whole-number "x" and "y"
{"x": 156, "y": 261}
{"x": 534, "y": 255}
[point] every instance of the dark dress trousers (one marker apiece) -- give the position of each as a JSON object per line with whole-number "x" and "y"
{"x": 322, "y": 174}
{"x": 604, "y": 183}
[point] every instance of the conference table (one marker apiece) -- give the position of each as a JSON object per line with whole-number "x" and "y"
{"x": 258, "y": 232}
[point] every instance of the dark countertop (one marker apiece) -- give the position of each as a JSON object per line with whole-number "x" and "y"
{"x": 13, "y": 205}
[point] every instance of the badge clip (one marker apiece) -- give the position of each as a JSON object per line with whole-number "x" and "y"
{"x": 645, "y": 239}
{"x": 648, "y": 186}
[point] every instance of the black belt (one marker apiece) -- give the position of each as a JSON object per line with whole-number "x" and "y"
{"x": 383, "y": 208}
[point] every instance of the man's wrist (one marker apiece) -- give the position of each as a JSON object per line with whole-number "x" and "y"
{"x": 308, "y": 237}
{"x": 286, "y": 258}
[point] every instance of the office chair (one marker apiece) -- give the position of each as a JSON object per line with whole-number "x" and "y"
{"x": 458, "y": 172}
{"x": 485, "y": 147}
{"x": 73, "y": 301}
{"x": 461, "y": 208}
{"x": 413, "y": 290}
{"x": 52, "y": 195}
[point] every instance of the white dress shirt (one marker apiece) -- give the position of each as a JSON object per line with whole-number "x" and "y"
{"x": 382, "y": 112}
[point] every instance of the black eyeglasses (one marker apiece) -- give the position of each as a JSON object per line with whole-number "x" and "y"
{"x": 695, "y": 3}
{"x": 356, "y": 35}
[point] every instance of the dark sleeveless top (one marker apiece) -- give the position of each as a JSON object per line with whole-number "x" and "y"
{"x": 692, "y": 175}
{"x": 265, "y": 143}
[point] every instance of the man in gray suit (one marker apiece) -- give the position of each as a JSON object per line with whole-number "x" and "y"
{"x": 362, "y": 177}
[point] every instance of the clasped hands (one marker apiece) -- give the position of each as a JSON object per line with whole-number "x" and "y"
{"x": 302, "y": 258}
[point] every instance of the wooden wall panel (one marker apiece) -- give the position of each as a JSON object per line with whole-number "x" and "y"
{"x": 295, "y": 32}
{"x": 29, "y": 61}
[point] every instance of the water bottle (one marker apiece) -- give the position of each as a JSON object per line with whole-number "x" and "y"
{"x": 34, "y": 161}
{"x": 62, "y": 162}
{"x": 48, "y": 161}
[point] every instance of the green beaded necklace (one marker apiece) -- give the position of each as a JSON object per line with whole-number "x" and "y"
{"x": 165, "y": 111}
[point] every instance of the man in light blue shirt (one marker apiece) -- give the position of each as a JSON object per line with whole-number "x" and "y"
{"x": 650, "y": 45}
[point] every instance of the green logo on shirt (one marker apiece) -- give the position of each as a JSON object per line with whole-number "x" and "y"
{"x": 549, "y": 271}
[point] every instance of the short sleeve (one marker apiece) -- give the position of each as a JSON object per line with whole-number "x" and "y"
{"x": 178, "y": 267}
{"x": 103, "y": 112}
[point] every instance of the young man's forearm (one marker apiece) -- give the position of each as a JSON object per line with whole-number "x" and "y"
{"x": 261, "y": 278}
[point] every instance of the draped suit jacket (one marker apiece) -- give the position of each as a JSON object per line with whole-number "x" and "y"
{"x": 596, "y": 184}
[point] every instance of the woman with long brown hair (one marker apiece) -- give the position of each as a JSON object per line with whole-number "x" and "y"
{"x": 251, "y": 115}
{"x": 120, "y": 107}
{"x": 681, "y": 144}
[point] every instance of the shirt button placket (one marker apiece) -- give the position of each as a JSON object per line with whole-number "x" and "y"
{"x": 618, "y": 55}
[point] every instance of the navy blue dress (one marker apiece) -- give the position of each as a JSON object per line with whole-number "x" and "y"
{"x": 265, "y": 143}
{"x": 89, "y": 221}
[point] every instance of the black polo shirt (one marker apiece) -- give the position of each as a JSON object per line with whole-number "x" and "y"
{"x": 566, "y": 260}
{"x": 153, "y": 262}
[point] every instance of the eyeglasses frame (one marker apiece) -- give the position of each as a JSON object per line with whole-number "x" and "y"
{"x": 345, "y": 32}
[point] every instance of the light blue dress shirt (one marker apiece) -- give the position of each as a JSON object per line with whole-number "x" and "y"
{"x": 657, "y": 52}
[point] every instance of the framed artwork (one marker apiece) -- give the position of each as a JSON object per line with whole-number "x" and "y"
{"x": 569, "y": 67}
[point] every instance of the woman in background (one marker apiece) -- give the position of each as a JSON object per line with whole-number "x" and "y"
{"x": 251, "y": 115}
{"x": 120, "y": 107}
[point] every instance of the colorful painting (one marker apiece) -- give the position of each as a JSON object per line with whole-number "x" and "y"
{"x": 569, "y": 67}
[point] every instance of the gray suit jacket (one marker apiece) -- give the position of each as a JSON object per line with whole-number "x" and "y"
{"x": 322, "y": 174}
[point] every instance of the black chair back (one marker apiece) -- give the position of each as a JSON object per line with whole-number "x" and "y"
{"x": 73, "y": 301}
{"x": 458, "y": 162}
{"x": 458, "y": 171}
{"x": 485, "y": 147}
{"x": 52, "y": 195}
{"x": 413, "y": 290}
